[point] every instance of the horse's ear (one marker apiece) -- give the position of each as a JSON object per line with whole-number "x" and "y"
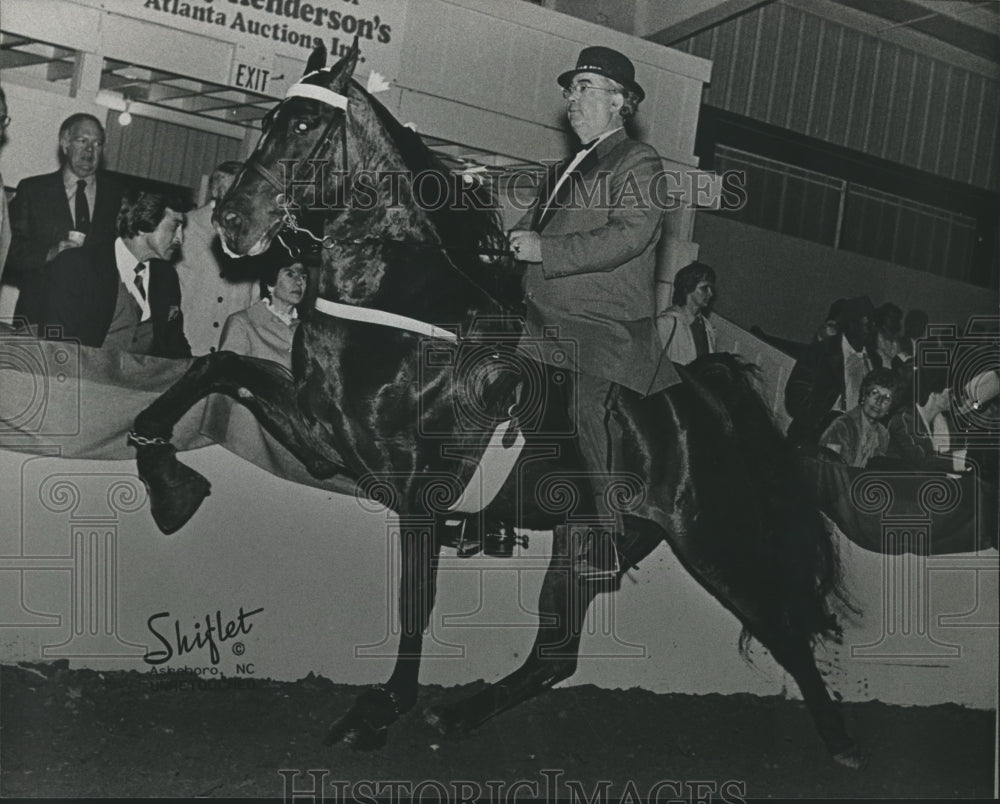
{"x": 342, "y": 71}
{"x": 317, "y": 59}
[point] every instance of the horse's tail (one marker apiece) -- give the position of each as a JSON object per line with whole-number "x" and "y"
{"x": 792, "y": 551}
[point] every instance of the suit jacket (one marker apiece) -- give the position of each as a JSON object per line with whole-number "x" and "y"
{"x": 78, "y": 291}
{"x": 596, "y": 281}
{"x": 40, "y": 217}
{"x": 815, "y": 383}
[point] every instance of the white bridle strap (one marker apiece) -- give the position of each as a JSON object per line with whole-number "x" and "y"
{"x": 353, "y": 313}
{"x": 321, "y": 94}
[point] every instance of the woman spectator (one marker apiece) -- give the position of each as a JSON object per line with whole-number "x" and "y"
{"x": 684, "y": 328}
{"x": 265, "y": 328}
{"x": 858, "y": 436}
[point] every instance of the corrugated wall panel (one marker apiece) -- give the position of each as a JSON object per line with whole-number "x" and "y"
{"x": 796, "y": 70}
{"x": 950, "y": 123}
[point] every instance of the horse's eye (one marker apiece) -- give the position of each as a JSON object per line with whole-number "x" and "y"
{"x": 300, "y": 127}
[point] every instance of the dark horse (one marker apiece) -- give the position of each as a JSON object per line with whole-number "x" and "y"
{"x": 387, "y": 403}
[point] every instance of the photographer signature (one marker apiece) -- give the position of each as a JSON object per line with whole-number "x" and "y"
{"x": 215, "y": 629}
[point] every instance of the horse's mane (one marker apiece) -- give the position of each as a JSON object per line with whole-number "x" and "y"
{"x": 468, "y": 224}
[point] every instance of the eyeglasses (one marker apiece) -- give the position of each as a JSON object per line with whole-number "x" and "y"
{"x": 5, "y": 121}
{"x": 583, "y": 87}
{"x": 880, "y": 397}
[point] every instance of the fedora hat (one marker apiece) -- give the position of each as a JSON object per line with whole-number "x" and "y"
{"x": 607, "y": 62}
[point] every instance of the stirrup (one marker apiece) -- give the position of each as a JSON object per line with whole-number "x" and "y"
{"x": 594, "y": 554}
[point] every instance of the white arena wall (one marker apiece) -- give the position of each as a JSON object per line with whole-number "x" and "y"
{"x": 83, "y": 568}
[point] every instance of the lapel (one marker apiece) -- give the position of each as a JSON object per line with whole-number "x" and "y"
{"x": 544, "y": 214}
{"x": 57, "y": 201}
{"x": 107, "y": 281}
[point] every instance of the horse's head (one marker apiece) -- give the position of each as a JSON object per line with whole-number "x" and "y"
{"x": 304, "y": 126}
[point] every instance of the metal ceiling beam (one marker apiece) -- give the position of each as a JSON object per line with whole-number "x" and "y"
{"x": 670, "y": 23}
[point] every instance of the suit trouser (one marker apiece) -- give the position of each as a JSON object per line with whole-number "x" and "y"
{"x": 595, "y": 438}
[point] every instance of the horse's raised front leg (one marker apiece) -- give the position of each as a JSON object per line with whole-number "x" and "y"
{"x": 365, "y": 725}
{"x": 266, "y": 388}
{"x": 562, "y": 606}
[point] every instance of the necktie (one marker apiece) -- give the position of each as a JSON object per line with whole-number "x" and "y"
{"x": 700, "y": 336}
{"x": 138, "y": 281}
{"x": 82, "y": 208}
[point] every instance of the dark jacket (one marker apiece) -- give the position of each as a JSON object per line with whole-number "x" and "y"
{"x": 78, "y": 290}
{"x": 816, "y": 381}
{"x": 40, "y": 217}
{"x": 596, "y": 281}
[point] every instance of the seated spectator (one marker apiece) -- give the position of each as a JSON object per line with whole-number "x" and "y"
{"x": 858, "y": 436}
{"x": 917, "y": 435}
{"x": 685, "y": 331}
{"x": 265, "y": 328}
{"x": 208, "y": 294}
{"x": 118, "y": 294}
{"x": 825, "y": 381}
{"x": 887, "y": 329}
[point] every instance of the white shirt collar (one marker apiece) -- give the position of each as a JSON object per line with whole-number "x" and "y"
{"x": 849, "y": 350}
{"x": 126, "y": 262}
{"x": 287, "y": 318}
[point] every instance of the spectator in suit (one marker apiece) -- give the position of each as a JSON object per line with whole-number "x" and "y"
{"x": 265, "y": 329}
{"x": 5, "y": 232}
{"x": 62, "y": 210}
{"x": 826, "y": 380}
{"x": 684, "y": 327}
{"x": 209, "y": 294}
{"x": 859, "y": 435}
{"x": 121, "y": 294}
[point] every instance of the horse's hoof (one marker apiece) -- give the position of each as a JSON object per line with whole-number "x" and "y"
{"x": 439, "y": 719}
{"x": 438, "y": 722}
{"x": 172, "y": 506}
{"x": 175, "y": 490}
{"x": 360, "y": 737}
{"x": 854, "y": 757}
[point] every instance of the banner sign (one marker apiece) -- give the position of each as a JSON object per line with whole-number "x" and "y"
{"x": 284, "y": 27}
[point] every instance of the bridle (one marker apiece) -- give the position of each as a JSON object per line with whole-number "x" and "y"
{"x": 290, "y": 222}
{"x": 319, "y": 150}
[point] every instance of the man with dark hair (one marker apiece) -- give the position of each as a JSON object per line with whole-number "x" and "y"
{"x": 209, "y": 295}
{"x": 826, "y": 380}
{"x": 590, "y": 247}
{"x": 62, "y": 210}
{"x": 121, "y": 294}
{"x": 684, "y": 327}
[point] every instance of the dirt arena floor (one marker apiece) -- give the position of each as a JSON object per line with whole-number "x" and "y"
{"x": 82, "y": 733}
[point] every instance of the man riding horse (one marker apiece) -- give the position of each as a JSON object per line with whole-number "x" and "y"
{"x": 590, "y": 244}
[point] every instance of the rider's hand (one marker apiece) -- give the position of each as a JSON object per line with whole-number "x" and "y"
{"x": 527, "y": 246}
